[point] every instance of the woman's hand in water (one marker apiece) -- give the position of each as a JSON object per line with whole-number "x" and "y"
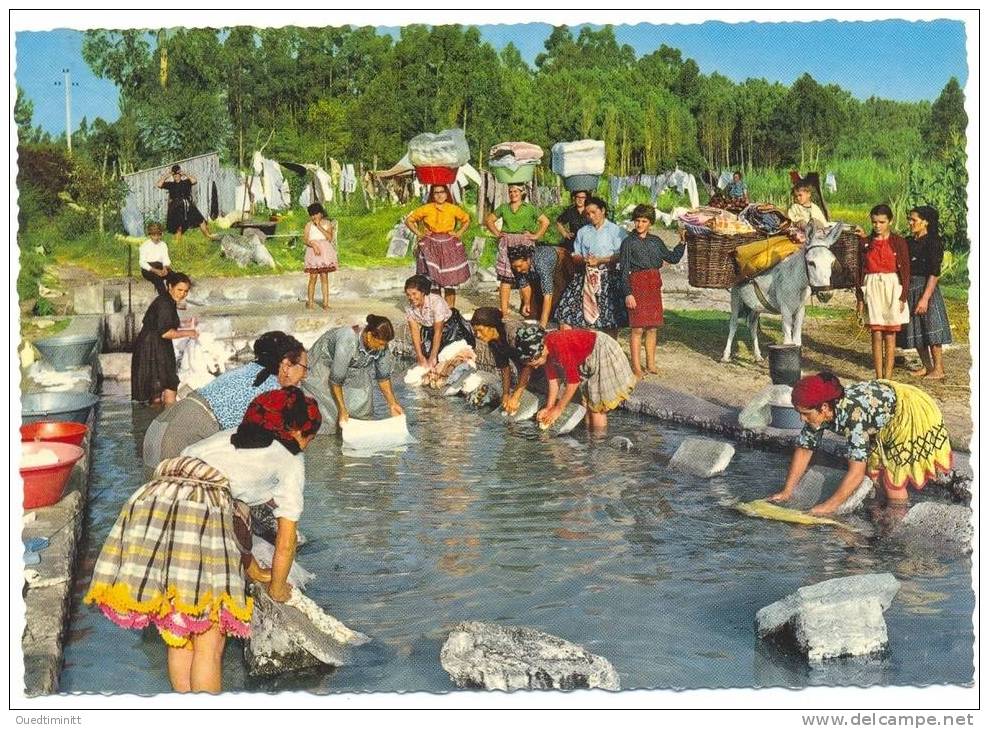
{"x": 511, "y": 404}
{"x": 783, "y": 495}
{"x": 279, "y": 593}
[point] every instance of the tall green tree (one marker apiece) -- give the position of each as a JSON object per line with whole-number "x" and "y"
{"x": 948, "y": 120}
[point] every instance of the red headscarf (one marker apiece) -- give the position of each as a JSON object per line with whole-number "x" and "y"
{"x": 813, "y": 391}
{"x": 275, "y": 415}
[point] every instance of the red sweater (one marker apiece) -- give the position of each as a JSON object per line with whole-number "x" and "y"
{"x": 567, "y": 351}
{"x": 901, "y": 253}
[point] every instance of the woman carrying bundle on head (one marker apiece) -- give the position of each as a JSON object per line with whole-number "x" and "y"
{"x": 521, "y": 225}
{"x": 432, "y": 324}
{"x": 895, "y": 434}
{"x": 179, "y": 555}
{"x": 280, "y": 361}
{"x": 589, "y": 361}
{"x": 440, "y": 225}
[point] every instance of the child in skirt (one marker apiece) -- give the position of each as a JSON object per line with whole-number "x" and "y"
{"x": 320, "y": 237}
{"x": 882, "y": 292}
{"x": 590, "y": 361}
{"x": 177, "y": 556}
{"x": 641, "y": 256}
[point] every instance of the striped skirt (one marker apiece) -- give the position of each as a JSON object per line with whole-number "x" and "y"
{"x": 924, "y": 330}
{"x": 442, "y": 258}
{"x": 606, "y": 378}
{"x": 913, "y": 447}
{"x": 173, "y": 558}
{"x": 612, "y": 313}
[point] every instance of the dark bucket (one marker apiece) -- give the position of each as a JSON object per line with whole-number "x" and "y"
{"x": 784, "y": 364}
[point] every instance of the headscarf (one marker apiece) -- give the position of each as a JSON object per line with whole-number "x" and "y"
{"x": 269, "y": 351}
{"x": 529, "y": 341}
{"x": 519, "y": 252}
{"x": 814, "y": 390}
{"x": 274, "y": 416}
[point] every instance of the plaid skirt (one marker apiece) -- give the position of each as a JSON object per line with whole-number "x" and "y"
{"x": 611, "y": 304}
{"x": 913, "y": 447}
{"x": 647, "y": 288}
{"x": 923, "y": 330}
{"x": 503, "y": 267}
{"x": 442, "y": 258}
{"x": 606, "y": 378}
{"x": 174, "y": 558}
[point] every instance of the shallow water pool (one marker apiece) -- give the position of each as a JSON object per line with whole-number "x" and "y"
{"x": 610, "y": 549}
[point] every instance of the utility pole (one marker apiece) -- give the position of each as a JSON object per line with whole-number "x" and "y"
{"x": 68, "y": 84}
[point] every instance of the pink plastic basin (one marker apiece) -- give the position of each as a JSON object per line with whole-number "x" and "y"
{"x": 50, "y": 431}
{"x": 44, "y": 485}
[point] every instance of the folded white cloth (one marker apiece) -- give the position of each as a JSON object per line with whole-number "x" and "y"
{"x": 375, "y": 435}
{"x": 521, "y": 151}
{"x": 583, "y": 157}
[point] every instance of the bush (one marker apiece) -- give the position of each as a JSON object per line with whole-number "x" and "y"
{"x": 43, "y": 307}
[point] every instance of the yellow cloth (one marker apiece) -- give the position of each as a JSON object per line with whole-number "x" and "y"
{"x": 441, "y": 218}
{"x": 764, "y": 509}
{"x": 914, "y": 445}
{"x": 761, "y": 255}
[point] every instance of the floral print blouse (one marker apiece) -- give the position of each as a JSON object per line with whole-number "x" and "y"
{"x": 865, "y": 409}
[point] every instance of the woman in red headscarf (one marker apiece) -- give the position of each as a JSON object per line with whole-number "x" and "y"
{"x": 895, "y": 433}
{"x": 177, "y": 556}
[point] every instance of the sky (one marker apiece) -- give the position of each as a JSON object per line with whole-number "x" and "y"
{"x": 894, "y": 59}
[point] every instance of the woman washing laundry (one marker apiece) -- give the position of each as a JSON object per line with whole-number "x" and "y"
{"x": 179, "y": 553}
{"x": 280, "y": 360}
{"x": 432, "y": 324}
{"x": 343, "y": 365}
{"x": 489, "y": 328}
{"x": 895, "y": 435}
{"x": 591, "y": 362}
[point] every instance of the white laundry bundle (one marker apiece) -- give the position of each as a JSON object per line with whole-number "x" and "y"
{"x": 446, "y": 149}
{"x": 39, "y": 457}
{"x": 514, "y": 155}
{"x": 201, "y": 360}
{"x": 583, "y": 157}
{"x": 375, "y": 435}
{"x": 323, "y": 621}
{"x": 758, "y": 413}
{"x": 415, "y": 375}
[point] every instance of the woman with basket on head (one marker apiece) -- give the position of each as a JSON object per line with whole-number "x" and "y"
{"x": 928, "y": 329}
{"x": 883, "y": 287}
{"x": 439, "y": 226}
{"x": 521, "y": 225}
{"x": 179, "y": 555}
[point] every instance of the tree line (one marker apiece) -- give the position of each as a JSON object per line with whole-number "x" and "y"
{"x": 353, "y": 94}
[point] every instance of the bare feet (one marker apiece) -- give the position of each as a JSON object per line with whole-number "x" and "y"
{"x": 326, "y": 306}
{"x": 918, "y": 373}
{"x": 935, "y": 375}
{"x": 637, "y": 372}
{"x": 653, "y": 370}
{"x": 309, "y": 305}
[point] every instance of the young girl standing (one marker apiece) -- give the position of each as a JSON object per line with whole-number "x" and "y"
{"x": 641, "y": 256}
{"x": 320, "y": 237}
{"x": 883, "y": 290}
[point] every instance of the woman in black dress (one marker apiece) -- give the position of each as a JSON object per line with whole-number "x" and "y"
{"x": 182, "y": 211}
{"x": 153, "y": 373}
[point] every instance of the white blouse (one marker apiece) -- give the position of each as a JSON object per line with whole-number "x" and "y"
{"x": 256, "y": 475}
{"x": 151, "y": 251}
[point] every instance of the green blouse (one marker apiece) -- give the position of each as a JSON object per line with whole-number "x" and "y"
{"x": 523, "y": 220}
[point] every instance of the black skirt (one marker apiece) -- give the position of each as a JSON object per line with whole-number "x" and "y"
{"x": 454, "y": 329}
{"x": 924, "y": 330}
{"x": 153, "y": 367}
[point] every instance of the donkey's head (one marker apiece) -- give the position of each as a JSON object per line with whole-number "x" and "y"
{"x": 820, "y": 264}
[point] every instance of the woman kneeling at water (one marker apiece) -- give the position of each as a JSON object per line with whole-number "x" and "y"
{"x": 590, "y": 361}
{"x": 343, "y": 362}
{"x": 177, "y": 556}
{"x": 489, "y": 327}
{"x": 433, "y": 324}
{"x": 895, "y": 433}
{"x": 280, "y": 361}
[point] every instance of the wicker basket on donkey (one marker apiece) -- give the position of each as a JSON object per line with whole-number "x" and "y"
{"x": 710, "y": 260}
{"x": 845, "y": 274}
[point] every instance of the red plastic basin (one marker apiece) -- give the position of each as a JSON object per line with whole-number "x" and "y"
{"x": 436, "y": 175}
{"x": 44, "y": 485}
{"x": 51, "y": 431}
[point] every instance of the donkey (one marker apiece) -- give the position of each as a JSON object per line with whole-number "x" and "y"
{"x": 784, "y": 290}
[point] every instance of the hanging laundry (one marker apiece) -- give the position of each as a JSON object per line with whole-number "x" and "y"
{"x": 348, "y": 179}
{"x": 831, "y": 183}
{"x": 724, "y": 180}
